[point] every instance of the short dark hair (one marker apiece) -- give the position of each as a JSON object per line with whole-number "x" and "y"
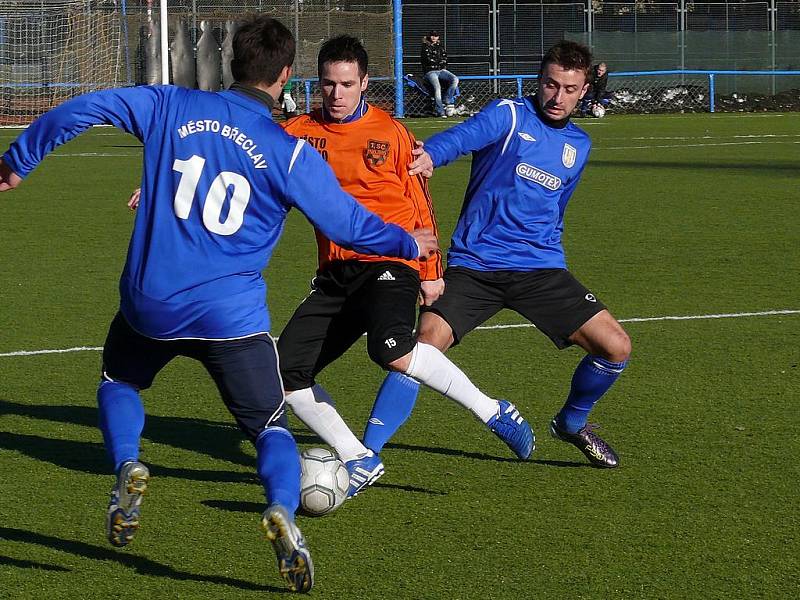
{"x": 262, "y": 47}
{"x": 433, "y": 33}
{"x": 343, "y": 48}
{"x": 570, "y": 56}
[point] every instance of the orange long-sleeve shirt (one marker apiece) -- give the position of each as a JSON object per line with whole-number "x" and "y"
{"x": 370, "y": 157}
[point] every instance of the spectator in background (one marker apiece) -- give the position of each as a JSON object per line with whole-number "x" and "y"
{"x": 433, "y": 58}
{"x": 598, "y": 81}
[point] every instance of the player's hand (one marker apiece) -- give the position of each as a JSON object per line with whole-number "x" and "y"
{"x": 427, "y": 242}
{"x": 133, "y": 201}
{"x": 8, "y": 179}
{"x": 430, "y": 291}
{"x": 423, "y": 164}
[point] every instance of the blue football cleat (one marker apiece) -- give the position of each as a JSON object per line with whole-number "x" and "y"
{"x": 294, "y": 559}
{"x": 122, "y": 517}
{"x": 363, "y": 472}
{"x": 513, "y": 429}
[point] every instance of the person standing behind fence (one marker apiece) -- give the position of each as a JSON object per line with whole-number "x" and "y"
{"x": 433, "y": 58}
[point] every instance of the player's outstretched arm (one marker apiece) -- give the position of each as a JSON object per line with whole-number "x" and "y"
{"x": 8, "y": 179}
{"x": 494, "y": 123}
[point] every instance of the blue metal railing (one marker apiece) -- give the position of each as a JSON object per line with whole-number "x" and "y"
{"x": 519, "y": 79}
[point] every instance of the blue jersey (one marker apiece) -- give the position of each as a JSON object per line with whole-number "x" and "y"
{"x": 218, "y": 179}
{"x": 524, "y": 171}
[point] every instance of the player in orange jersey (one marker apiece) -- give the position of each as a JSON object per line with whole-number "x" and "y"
{"x": 352, "y": 293}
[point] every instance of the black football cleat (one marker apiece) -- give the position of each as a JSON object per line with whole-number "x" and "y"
{"x": 599, "y": 453}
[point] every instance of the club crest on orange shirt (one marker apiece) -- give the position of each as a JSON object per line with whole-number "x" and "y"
{"x": 376, "y": 152}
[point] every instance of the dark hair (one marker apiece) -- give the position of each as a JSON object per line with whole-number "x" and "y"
{"x": 343, "y": 48}
{"x": 433, "y": 33}
{"x": 570, "y": 56}
{"x": 262, "y": 47}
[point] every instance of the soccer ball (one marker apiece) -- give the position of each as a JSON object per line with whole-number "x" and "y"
{"x": 324, "y": 481}
{"x": 598, "y": 111}
{"x": 449, "y": 110}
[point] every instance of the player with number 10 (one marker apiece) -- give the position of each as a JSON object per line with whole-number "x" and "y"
{"x": 219, "y": 178}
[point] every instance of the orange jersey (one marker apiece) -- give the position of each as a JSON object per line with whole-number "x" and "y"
{"x": 370, "y": 157}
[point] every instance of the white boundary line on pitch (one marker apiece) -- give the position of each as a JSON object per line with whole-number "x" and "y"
{"x": 598, "y": 148}
{"x": 765, "y": 313}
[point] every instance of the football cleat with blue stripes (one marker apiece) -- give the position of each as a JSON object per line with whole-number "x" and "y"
{"x": 122, "y": 517}
{"x": 513, "y": 429}
{"x": 363, "y": 472}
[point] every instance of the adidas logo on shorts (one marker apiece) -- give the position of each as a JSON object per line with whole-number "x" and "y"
{"x": 386, "y": 276}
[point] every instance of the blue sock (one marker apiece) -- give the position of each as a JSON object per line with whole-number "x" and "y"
{"x": 121, "y": 419}
{"x": 278, "y": 463}
{"x": 392, "y": 407}
{"x": 592, "y": 378}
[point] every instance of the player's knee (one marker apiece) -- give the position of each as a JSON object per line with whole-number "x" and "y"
{"x": 617, "y": 346}
{"x": 401, "y": 364}
{"x": 436, "y": 332}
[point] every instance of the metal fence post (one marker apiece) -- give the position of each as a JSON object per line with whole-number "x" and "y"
{"x": 773, "y": 40}
{"x": 519, "y": 87}
{"x": 128, "y": 71}
{"x": 711, "y": 92}
{"x": 495, "y": 42}
{"x": 164, "y": 42}
{"x": 399, "y": 107}
{"x": 307, "y": 83}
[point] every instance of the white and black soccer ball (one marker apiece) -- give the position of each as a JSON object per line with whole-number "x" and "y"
{"x": 599, "y": 111}
{"x": 324, "y": 481}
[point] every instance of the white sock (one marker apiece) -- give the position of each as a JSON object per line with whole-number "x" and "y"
{"x": 314, "y": 407}
{"x": 434, "y": 369}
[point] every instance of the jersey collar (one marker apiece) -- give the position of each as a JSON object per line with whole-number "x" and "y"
{"x": 254, "y": 93}
{"x": 360, "y": 111}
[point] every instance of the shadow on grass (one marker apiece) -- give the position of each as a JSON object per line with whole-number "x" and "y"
{"x": 29, "y": 564}
{"x": 214, "y": 439}
{"x": 451, "y": 452}
{"x": 236, "y": 506}
{"x": 140, "y": 564}
{"x": 408, "y": 488}
{"x": 211, "y": 438}
{"x": 89, "y": 457}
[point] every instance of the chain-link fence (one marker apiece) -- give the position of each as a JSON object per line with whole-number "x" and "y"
{"x": 658, "y": 92}
{"x": 53, "y": 49}
{"x": 50, "y": 52}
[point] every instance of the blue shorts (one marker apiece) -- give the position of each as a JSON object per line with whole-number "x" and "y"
{"x": 245, "y": 370}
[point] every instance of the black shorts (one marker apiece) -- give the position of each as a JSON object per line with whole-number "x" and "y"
{"x": 245, "y": 370}
{"x": 551, "y": 299}
{"x": 348, "y": 299}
